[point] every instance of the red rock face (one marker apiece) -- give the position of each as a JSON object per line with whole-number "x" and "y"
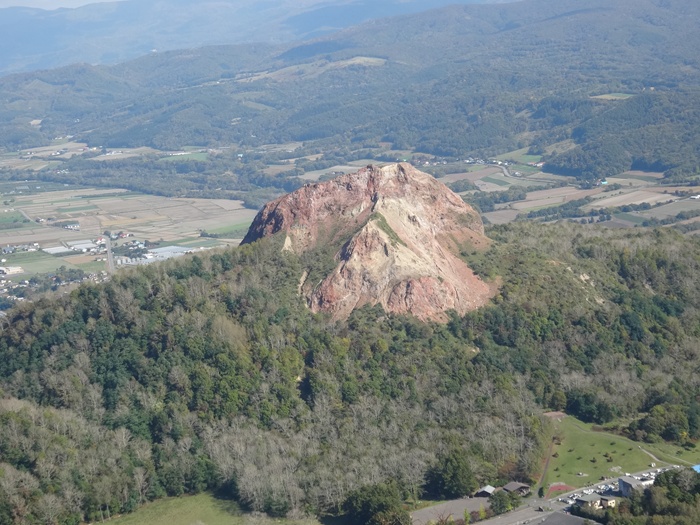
{"x": 404, "y": 229}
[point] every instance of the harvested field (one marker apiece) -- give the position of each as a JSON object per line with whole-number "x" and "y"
{"x": 628, "y": 183}
{"x": 671, "y": 210}
{"x": 501, "y": 216}
{"x": 455, "y": 177}
{"x": 553, "y": 197}
{"x": 147, "y": 217}
{"x": 633, "y": 197}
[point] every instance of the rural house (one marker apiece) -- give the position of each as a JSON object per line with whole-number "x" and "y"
{"x": 519, "y": 488}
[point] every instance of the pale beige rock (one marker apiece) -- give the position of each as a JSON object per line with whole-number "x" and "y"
{"x": 404, "y": 229}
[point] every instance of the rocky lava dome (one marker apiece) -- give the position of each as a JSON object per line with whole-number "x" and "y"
{"x": 398, "y": 233}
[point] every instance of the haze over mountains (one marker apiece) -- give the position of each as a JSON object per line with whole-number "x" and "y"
{"x": 451, "y": 81}
{"x": 109, "y": 32}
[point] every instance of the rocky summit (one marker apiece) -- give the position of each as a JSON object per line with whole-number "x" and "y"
{"x": 398, "y": 233}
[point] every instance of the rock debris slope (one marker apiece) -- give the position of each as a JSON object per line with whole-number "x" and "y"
{"x": 398, "y": 232}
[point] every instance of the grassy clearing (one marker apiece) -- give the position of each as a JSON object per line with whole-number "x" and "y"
{"x": 614, "y": 96}
{"x": 601, "y": 454}
{"x": 580, "y": 458}
{"x": 12, "y": 217}
{"x": 189, "y": 156}
{"x": 232, "y": 229}
{"x": 93, "y": 267}
{"x": 202, "y": 242}
{"x": 643, "y": 178}
{"x": 36, "y": 262}
{"x": 202, "y": 509}
{"x": 179, "y": 242}
{"x": 520, "y": 156}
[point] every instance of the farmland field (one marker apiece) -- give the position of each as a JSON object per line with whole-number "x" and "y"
{"x": 35, "y": 262}
{"x": 630, "y": 217}
{"x": 634, "y": 197}
{"x": 671, "y": 210}
{"x": 553, "y": 197}
{"x": 147, "y": 217}
{"x": 500, "y": 181}
{"x": 520, "y": 155}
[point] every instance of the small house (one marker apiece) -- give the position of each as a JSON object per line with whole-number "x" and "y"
{"x": 519, "y": 488}
{"x": 485, "y": 492}
{"x": 589, "y": 501}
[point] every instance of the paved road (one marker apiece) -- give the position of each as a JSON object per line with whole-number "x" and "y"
{"x": 110, "y": 255}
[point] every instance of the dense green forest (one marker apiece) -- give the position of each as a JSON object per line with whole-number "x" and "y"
{"x": 455, "y": 81}
{"x": 208, "y": 373}
{"x": 645, "y": 132}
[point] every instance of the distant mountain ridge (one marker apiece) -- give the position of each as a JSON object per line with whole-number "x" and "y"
{"x": 396, "y": 232}
{"x": 110, "y": 32}
{"x": 455, "y": 81}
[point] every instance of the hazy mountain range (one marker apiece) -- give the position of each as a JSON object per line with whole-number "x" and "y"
{"x": 449, "y": 81}
{"x": 109, "y": 32}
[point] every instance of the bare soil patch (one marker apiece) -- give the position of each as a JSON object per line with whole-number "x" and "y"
{"x": 555, "y": 415}
{"x": 501, "y": 216}
{"x": 558, "y": 487}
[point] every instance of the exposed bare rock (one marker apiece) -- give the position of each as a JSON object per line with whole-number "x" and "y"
{"x": 398, "y": 231}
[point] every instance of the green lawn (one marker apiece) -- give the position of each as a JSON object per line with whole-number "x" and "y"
{"x": 202, "y": 509}
{"x": 581, "y": 445}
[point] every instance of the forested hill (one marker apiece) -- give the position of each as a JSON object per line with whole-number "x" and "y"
{"x": 452, "y": 81}
{"x": 208, "y": 372}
